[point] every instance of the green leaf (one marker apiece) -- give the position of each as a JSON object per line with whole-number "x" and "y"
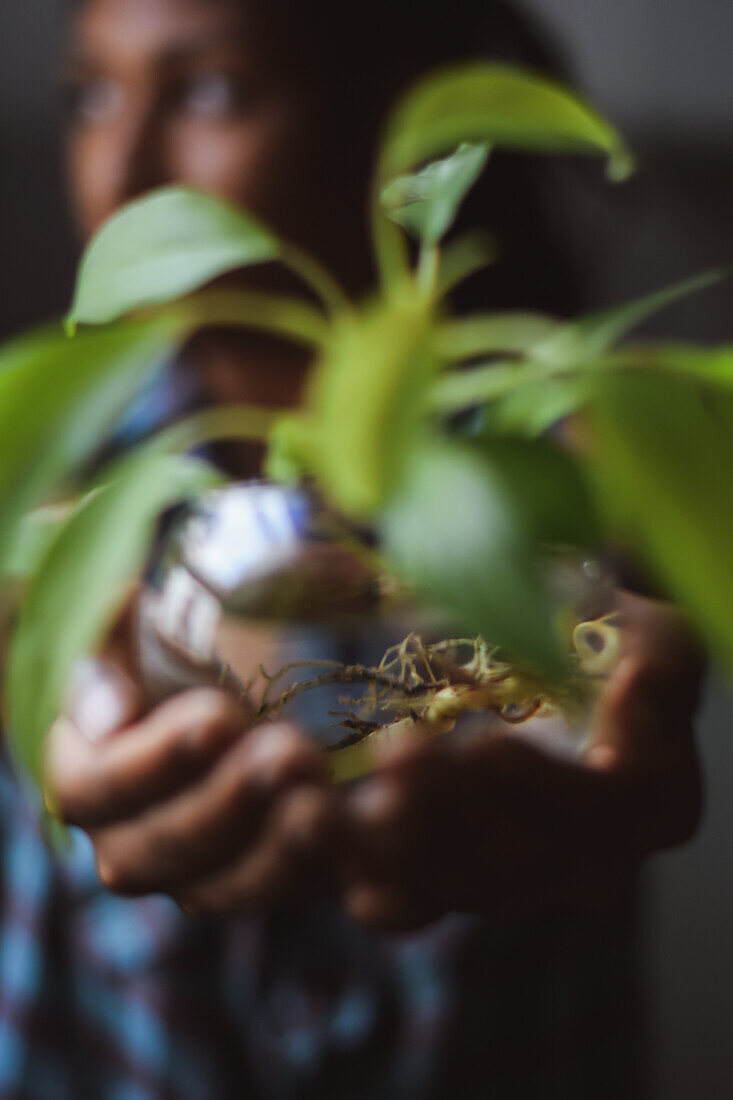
{"x": 501, "y": 106}
{"x": 483, "y": 384}
{"x": 277, "y": 314}
{"x": 81, "y": 583}
{"x": 581, "y": 342}
{"x": 367, "y": 401}
{"x": 529, "y": 397}
{"x": 161, "y": 247}
{"x": 463, "y": 257}
{"x": 30, "y": 347}
{"x": 533, "y": 408}
{"x": 508, "y": 398}
{"x": 221, "y": 422}
{"x": 709, "y": 365}
{"x": 456, "y": 533}
{"x": 494, "y": 334}
{"x": 663, "y": 461}
{"x": 290, "y": 452}
{"x": 33, "y": 536}
{"x": 549, "y": 489}
{"x": 426, "y": 203}
{"x": 59, "y": 400}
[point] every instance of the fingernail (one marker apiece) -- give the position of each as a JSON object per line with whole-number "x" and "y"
{"x": 101, "y": 699}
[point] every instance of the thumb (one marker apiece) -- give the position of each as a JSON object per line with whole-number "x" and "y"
{"x": 634, "y": 713}
{"x": 646, "y": 711}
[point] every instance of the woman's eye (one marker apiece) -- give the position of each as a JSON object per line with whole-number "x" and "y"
{"x": 91, "y": 102}
{"x": 213, "y": 95}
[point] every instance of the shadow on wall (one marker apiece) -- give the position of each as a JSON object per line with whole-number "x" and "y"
{"x": 671, "y": 220}
{"x": 37, "y": 243}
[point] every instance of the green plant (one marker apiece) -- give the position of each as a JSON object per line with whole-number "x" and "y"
{"x": 375, "y": 430}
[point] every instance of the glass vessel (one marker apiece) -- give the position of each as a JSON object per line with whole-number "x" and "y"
{"x": 262, "y": 589}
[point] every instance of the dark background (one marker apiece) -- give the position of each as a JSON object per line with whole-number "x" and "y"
{"x": 661, "y": 69}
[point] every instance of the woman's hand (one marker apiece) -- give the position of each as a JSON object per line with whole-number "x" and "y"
{"x": 188, "y": 800}
{"x": 495, "y": 825}
{"x": 194, "y": 801}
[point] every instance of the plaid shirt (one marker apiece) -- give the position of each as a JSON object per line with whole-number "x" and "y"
{"x": 109, "y": 999}
{"x": 131, "y": 1000}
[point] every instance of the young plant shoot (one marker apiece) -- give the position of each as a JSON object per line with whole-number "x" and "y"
{"x": 464, "y": 519}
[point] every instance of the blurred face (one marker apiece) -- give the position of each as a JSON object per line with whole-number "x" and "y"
{"x": 187, "y": 91}
{"x": 198, "y": 92}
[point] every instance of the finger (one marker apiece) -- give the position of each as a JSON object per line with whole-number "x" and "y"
{"x": 659, "y": 632}
{"x": 380, "y": 826}
{"x": 654, "y": 691}
{"x": 94, "y": 781}
{"x": 645, "y": 742}
{"x": 644, "y": 713}
{"x": 203, "y": 827}
{"x": 618, "y": 717}
{"x": 400, "y": 820}
{"x": 291, "y": 862}
{"x": 408, "y": 774}
{"x": 517, "y": 804}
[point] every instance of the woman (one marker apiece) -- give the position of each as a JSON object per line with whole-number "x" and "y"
{"x": 277, "y": 105}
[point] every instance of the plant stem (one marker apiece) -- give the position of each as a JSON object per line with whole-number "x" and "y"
{"x": 428, "y": 270}
{"x": 356, "y": 761}
{"x": 288, "y": 317}
{"x": 498, "y": 333}
{"x": 229, "y": 422}
{"x": 462, "y": 258}
{"x": 317, "y": 277}
{"x": 390, "y": 246}
{"x": 460, "y": 390}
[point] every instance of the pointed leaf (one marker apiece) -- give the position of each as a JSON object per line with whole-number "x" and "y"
{"x": 161, "y": 247}
{"x": 582, "y": 341}
{"x": 426, "y": 203}
{"x": 463, "y": 257}
{"x": 532, "y": 409}
{"x": 81, "y": 583}
{"x": 483, "y": 384}
{"x": 710, "y": 365}
{"x": 455, "y": 533}
{"x": 664, "y": 461}
{"x": 501, "y": 106}
{"x": 33, "y": 536}
{"x": 549, "y": 488}
{"x": 59, "y": 400}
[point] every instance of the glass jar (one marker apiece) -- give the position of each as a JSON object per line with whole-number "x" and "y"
{"x": 261, "y": 589}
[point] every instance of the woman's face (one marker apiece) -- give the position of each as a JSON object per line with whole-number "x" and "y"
{"x": 184, "y": 91}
